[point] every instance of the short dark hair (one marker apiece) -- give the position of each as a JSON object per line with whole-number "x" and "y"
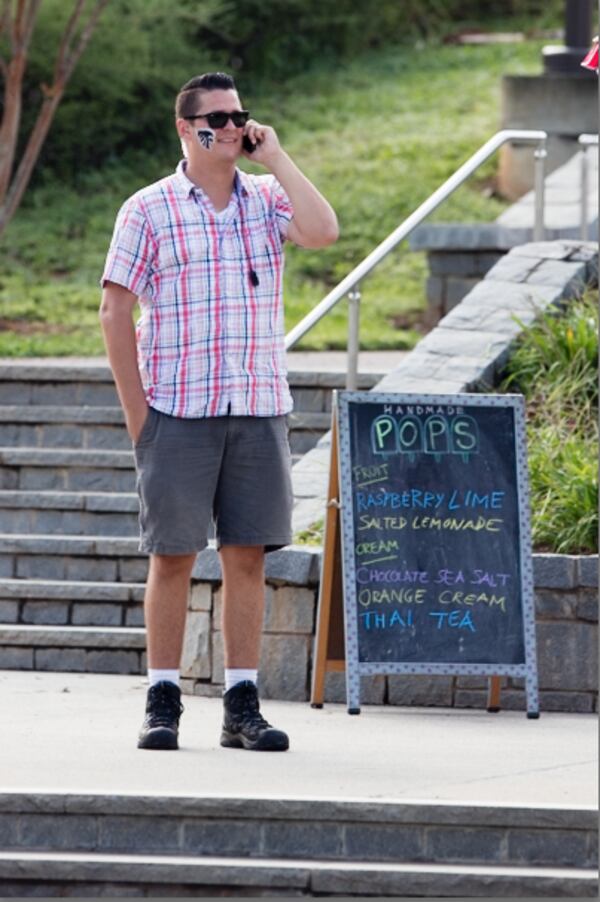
{"x": 187, "y": 102}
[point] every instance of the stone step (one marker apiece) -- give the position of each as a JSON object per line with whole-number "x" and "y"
{"x": 26, "y": 874}
{"x": 72, "y": 513}
{"x": 45, "y": 426}
{"x": 75, "y": 649}
{"x": 306, "y": 428}
{"x": 51, "y": 413}
{"x": 15, "y": 389}
{"x": 87, "y": 371}
{"x": 367, "y": 846}
{"x": 102, "y": 428}
{"x": 72, "y": 636}
{"x": 57, "y": 602}
{"x": 84, "y": 383}
{"x": 99, "y": 470}
{"x": 64, "y": 469}
{"x": 79, "y": 558}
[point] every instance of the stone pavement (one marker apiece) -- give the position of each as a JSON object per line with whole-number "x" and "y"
{"x": 76, "y": 733}
{"x": 396, "y": 803}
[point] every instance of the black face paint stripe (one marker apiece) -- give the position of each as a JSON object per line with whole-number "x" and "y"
{"x": 207, "y": 137}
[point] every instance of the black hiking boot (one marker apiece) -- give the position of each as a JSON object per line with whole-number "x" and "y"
{"x": 161, "y": 724}
{"x": 244, "y": 727}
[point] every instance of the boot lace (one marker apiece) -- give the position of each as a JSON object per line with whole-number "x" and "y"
{"x": 248, "y": 714}
{"x": 163, "y": 706}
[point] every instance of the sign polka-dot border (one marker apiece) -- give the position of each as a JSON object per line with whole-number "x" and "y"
{"x": 354, "y": 668}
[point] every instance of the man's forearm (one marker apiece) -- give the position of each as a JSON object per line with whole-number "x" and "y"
{"x": 119, "y": 338}
{"x": 314, "y": 218}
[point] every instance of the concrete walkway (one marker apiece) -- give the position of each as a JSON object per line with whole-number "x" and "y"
{"x": 77, "y": 733}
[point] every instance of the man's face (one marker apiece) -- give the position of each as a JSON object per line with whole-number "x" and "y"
{"x": 228, "y": 139}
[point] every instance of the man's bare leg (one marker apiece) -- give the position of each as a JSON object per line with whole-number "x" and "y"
{"x": 243, "y": 613}
{"x": 165, "y": 607}
{"x": 243, "y": 604}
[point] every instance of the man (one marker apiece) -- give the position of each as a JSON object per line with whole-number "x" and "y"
{"x": 202, "y": 384}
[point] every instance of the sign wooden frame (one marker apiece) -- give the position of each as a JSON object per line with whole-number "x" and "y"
{"x": 337, "y": 597}
{"x": 329, "y": 654}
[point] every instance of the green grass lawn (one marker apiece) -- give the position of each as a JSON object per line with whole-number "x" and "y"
{"x": 377, "y": 136}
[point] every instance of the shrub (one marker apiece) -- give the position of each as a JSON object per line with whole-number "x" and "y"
{"x": 556, "y": 366}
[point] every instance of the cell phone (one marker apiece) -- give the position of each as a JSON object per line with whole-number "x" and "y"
{"x": 248, "y": 145}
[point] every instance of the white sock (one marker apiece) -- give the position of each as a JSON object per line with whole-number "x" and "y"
{"x": 235, "y": 675}
{"x": 159, "y": 676}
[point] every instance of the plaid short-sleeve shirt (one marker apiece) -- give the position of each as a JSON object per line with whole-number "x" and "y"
{"x": 210, "y": 335}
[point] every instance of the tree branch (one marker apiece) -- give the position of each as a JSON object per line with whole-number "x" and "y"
{"x": 5, "y": 16}
{"x": 17, "y": 26}
{"x": 23, "y": 174}
{"x": 23, "y": 23}
{"x": 66, "y": 60}
{"x": 65, "y": 41}
{"x": 14, "y": 28}
{"x": 84, "y": 37}
{"x": 32, "y": 11}
{"x": 11, "y": 117}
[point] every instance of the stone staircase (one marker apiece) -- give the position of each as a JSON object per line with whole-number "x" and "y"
{"x": 107, "y": 845}
{"x": 71, "y": 575}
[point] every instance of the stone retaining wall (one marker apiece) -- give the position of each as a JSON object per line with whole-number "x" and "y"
{"x": 566, "y": 598}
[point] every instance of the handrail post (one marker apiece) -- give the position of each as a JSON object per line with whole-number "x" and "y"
{"x": 583, "y": 231}
{"x": 539, "y": 154}
{"x": 353, "y": 337}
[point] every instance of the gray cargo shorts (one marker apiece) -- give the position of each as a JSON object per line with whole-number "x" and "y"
{"x": 233, "y": 471}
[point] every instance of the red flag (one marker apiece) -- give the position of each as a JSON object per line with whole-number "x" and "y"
{"x": 591, "y": 60}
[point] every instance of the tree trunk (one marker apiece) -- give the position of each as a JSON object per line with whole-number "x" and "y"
{"x": 13, "y": 184}
{"x": 11, "y": 119}
{"x": 21, "y": 177}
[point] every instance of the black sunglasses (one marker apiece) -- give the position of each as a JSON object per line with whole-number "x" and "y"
{"x": 219, "y": 118}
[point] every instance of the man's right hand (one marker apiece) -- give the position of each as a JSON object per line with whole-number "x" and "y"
{"x": 135, "y": 422}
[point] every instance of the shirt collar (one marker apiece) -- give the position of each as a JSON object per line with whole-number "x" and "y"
{"x": 183, "y": 182}
{"x": 241, "y": 182}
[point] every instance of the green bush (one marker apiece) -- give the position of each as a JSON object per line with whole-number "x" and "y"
{"x": 556, "y": 366}
{"x": 558, "y": 360}
{"x": 563, "y": 466}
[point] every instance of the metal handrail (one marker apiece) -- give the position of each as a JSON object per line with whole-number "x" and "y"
{"x": 350, "y": 285}
{"x": 586, "y": 141}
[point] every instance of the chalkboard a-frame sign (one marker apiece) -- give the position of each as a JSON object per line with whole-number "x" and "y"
{"x": 433, "y": 542}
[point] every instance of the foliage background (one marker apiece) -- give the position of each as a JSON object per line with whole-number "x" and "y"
{"x": 375, "y": 170}
{"x": 121, "y": 96}
{"x": 318, "y": 71}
